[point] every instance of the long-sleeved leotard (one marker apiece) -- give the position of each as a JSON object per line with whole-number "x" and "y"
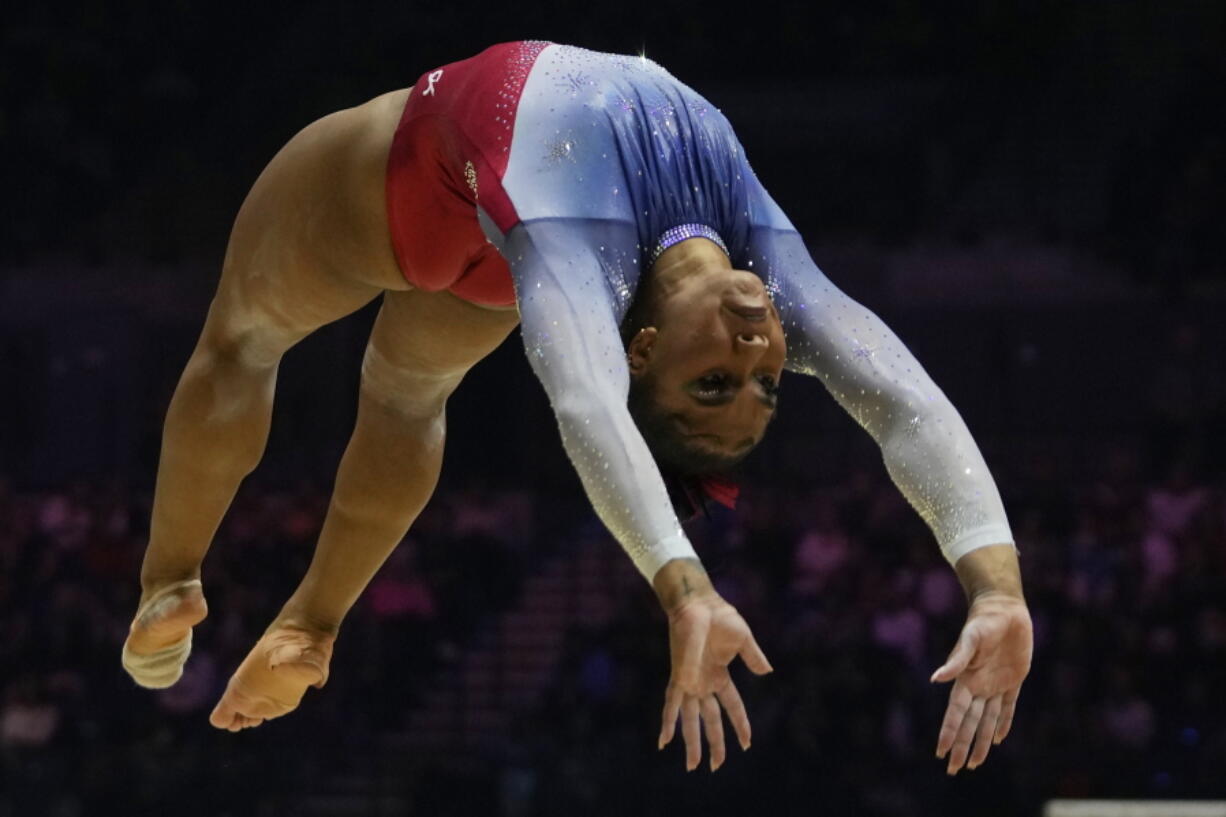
{"x": 606, "y": 153}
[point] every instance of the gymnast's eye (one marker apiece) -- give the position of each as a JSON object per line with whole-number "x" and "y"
{"x": 769, "y": 385}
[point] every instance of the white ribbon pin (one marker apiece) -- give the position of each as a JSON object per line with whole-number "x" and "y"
{"x": 432, "y": 78}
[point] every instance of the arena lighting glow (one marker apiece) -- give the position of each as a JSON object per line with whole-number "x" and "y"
{"x": 1135, "y": 808}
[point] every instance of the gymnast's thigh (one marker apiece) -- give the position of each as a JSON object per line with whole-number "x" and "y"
{"x": 310, "y": 242}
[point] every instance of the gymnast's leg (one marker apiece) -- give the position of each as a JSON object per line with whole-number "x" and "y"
{"x": 280, "y": 281}
{"x": 389, "y": 471}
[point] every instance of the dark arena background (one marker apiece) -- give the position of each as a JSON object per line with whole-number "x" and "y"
{"x": 1030, "y": 193}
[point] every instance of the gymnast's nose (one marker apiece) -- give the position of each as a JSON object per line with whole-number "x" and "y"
{"x": 752, "y": 342}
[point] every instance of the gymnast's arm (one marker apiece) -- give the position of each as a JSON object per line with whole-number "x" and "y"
{"x": 931, "y": 457}
{"x": 571, "y": 334}
{"x": 927, "y": 448}
{"x": 573, "y": 344}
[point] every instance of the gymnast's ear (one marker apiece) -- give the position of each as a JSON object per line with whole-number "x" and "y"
{"x": 639, "y": 351}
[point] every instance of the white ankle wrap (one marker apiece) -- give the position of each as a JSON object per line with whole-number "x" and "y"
{"x": 160, "y": 669}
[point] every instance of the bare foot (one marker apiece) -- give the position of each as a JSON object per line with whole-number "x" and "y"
{"x": 273, "y": 677}
{"x": 159, "y": 639}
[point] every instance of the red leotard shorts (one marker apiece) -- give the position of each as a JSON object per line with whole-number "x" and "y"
{"x": 449, "y": 154}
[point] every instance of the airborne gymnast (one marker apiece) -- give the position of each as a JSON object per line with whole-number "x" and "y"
{"x": 609, "y": 210}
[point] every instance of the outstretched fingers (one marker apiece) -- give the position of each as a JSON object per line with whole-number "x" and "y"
{"x": 700, "y": 689}
{"x": 673, "y": 696}
{"x": 730, "y": 699}
{"x": 959, "y": 658}
{"x": 1008, "y": 705}
{"x": 754, "y": 658}
{"x": 959, "y": 702}
{"x": 690, "y": 731}
{"x": 966, "y": 732}
{"x": 713, "y": 726}
{"x": 983, "y": 735}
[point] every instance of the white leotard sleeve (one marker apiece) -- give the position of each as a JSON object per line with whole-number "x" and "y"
{"x": 570, "y": 332}
{"x": 927, "y": 447}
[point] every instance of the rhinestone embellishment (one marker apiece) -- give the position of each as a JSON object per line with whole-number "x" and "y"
{"x": 470, "y": 176}
{"x": 675, "y": 235}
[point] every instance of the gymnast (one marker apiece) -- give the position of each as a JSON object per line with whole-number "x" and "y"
{"x": 609, "y": 210}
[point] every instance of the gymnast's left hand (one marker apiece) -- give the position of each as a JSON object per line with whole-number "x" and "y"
{"x": 987, "y": 666}
{"x": 705, "y": 634}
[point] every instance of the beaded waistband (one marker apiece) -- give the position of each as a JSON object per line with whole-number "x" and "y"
{"x": 675, "y": 235}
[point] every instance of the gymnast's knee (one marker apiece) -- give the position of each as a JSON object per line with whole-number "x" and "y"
{"x": 417, "y": 394}
{"x": 245, "y": 342}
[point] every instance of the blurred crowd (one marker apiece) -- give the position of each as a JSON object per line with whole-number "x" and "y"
{"x": 77, "y": 737}
{"x": 1125, "y": 575}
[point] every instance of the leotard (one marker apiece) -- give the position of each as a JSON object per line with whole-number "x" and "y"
{"x": 555, "y": 172}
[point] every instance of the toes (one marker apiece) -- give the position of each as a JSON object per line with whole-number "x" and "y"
{"x": 223, "y": 716}
{"x": 232, "y": 713}
{"x": 271, "y": 680}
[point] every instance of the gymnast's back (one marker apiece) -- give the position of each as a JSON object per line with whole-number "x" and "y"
{"x": 613, "y": 149}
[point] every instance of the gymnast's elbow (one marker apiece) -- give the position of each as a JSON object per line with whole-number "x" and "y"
{"x": 574, "y": 408}
{"x": 582, "y": 412}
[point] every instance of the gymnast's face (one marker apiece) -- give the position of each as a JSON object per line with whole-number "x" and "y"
{"x": 714, "y": 353}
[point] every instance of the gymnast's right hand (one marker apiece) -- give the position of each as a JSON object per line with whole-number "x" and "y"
{"x": 705, "y": 633}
